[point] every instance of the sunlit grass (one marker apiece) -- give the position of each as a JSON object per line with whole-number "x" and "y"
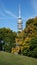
{"x": 9, "y": 59}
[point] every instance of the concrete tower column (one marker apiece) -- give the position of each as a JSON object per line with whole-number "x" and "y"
{"x": 20, "y": 23}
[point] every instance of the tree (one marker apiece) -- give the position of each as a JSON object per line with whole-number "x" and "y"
{"x": 8, "y": 36}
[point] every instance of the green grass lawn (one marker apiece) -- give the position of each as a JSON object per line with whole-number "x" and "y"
{"x": 9, "y": 59}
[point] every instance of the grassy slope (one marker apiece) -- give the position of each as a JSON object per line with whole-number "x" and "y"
{"x": 9, "y": 59}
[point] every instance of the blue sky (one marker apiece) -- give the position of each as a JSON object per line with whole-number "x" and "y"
{"x": 9, "y": 10}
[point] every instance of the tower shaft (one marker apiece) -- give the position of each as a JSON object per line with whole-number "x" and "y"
{"x": 20, "y": 23}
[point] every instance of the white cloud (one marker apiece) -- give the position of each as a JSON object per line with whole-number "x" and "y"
{"x": 5, "y": 17}
{"x": 1, "y": 9}
{"x": 10, "y": 13}
{"x": 5, "y": 12}
{"x": 34, "y": 5}
{"x": 2, "y": 14}
{"x": 1, "y": 18}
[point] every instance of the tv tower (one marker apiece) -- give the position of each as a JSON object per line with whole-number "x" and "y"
{"x": 20, "y": 23}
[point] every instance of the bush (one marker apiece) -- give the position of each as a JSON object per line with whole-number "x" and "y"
{"x": 34, "y": 53}
{"x": 25, "y": 52}
{"x": 29, "y": 53}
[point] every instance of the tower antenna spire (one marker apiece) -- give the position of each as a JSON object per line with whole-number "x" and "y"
{"x": 19, "y": 12}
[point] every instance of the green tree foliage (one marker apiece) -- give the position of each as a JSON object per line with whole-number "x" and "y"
{"x": 32, "y": 49}
{"x": 30, "y": 38}
{"x": 8, "y": 36}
